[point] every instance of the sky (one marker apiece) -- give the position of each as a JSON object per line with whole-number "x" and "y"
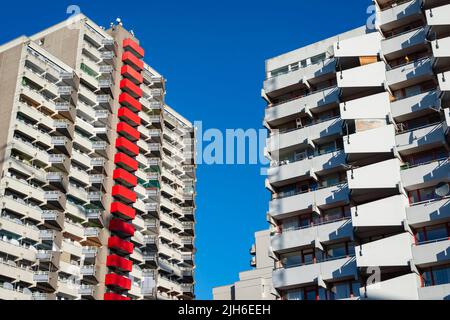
{"x": 212, "y": 54}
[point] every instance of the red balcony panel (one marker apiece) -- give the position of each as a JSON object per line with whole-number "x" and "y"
{"x": 127, "y": 147}
{"x": 128, "y": 131}
{"x": 133, "y": 61}
{"x": 122, "y": 210}
{"x": 131, "y": 103}
{"x": 124, "y": 161}
{"x": 116, "y": 281}
{"x": 132, "y": 46}
{"x": 129, "y": 117}
{"x": 132, "y": 75}
{"x": 124, "y": 194}
{"x": 111, "y": 296}
{"x": 132, "y": 89}
{"x": 121, "y": 245}
{"x": 121, "y": 227}
{"x": 114, "y": 261}
{"x": 124, "y": 177}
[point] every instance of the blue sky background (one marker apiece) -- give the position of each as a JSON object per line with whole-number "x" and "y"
{"x": 212, "y": 53}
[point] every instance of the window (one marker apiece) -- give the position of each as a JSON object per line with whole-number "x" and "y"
{"x": 421, "y": 195}
{"x": 279, "y": 72}
{"x": 291, "y": 224}
{"x": 436, "y": 276}
{"x": 433, "y": 233}
{"x": 289, "y": 260}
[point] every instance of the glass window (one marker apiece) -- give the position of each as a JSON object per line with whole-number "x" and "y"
{"x": 355, "y": 288}
{"x": 291, "y": 224}
{"x": 289, "y": 260}
{"x": 333, "y": 214}
{"x": 427, "y": 194}
{"x": 337, "y": 251}
{"x": 340, "y": 291}
{"x": 295, "y": 295}
{"x": 427, "y": 278}
{"x": 308, "y": 256}
{"x": 441, "y": 276}
{"x": 311, "y": 294}
{"x": 436, "y": 233}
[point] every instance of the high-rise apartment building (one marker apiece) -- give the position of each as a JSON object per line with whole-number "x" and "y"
{"x": 359, "y": 143}
{"x": 97, "y": 188}
{"x": 254, "y": 284}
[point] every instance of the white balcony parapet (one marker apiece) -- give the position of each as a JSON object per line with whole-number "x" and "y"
{"x": 399, "y": 288}
{"x": 381, "y": 213}
{"x": 361, "y": 46}
{"x": 387, "y": 252}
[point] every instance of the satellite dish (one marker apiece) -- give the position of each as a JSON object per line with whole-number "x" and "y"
{"x": 442, "y": 189}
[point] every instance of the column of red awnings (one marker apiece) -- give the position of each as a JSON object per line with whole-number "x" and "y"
{"x": 122, "y": 210}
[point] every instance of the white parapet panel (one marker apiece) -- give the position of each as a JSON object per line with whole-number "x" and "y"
{"x": 385, "y": 212}
{"x": 381, "y": 175}
{"x": 372, "y": 107}
{"x": 439, "y": 16}
{"x": 365, "y": 45}
{"x": 370, "y": 75}
{"x": 382, "y": 140}
{"x": 399, "y": 288}
{"x": 387, "y": 252}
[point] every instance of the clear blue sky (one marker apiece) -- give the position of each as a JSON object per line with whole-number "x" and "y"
{"x": 212, "y": 53}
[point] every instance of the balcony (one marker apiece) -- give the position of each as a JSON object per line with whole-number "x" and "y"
{"x": 375, "y": 106}
{"x": 47, "y": 281}
{"x": 55, "y": 199}
{"x": 88, "y": 292}
{"x": 304, "y": 136}
{"x": 411, "y": 107}
{"x": 130, "y": 45}
{"x": 399, "y": 288}
{"x": 410, "y": 74}
{"x": 286, "y": 174}
{"x": 131, "y": 103}
{"x": 126, "y": 162}
{"x": 128, "y": 132}
{"x": 426, "y": 174}
{"x": 431, "y": 253}
{"x": 126, "y": 146}
{"x": 129, "y": 59}
{"x": 422, "y": 214}
{"x": 119, "y": 245}
{"x": 117, "y": 282}
{"x": 380, "y": 214}
{"x": 125, "y": 178}
{"x": 122, "y": 228}
{"x": 124, "y": 194}
{"x": 382, "y": 143}
{"x": 437, "y": 19}
{"x": 366, "y": 183}
{"x": 90, "y": 273}
{"x": 108, "y": 57}
{"x": 405, "y": 43}
{"x": 306, "y": 237}
{"x": 366, "y": 45}
{"x": 313, "y": 73}
{"x": 121, "y": 210}
{"x": 90, "y": 254}
{"x": 105, "y": 101}
{"x": 64, "y": 127}
{"x": 110, "y": 296}
{"x": 132, "y": 75}
{"x": 129, "y": 117}
{"x": 130, "y": 88}
{"x": 339, "y": 269}
{"x": 369, "y": 77}
{"x": 309, "y": 201}
{"x": 48, "y": 257}
{"x": 93, "y": 236}
{"x": 101, "y": 148}
{"x": 444, "y": 85}
{"x": 62, "y": 144}
{"x": 420, "y": 139}
{"x": 441, "y": 292}
{"x": 394, "y": 251}
{"x": 119, "y": 263}
{"x": 58, "y": 179}
{"x": 96, "y": 198}
{"x": 400, "y": 15}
